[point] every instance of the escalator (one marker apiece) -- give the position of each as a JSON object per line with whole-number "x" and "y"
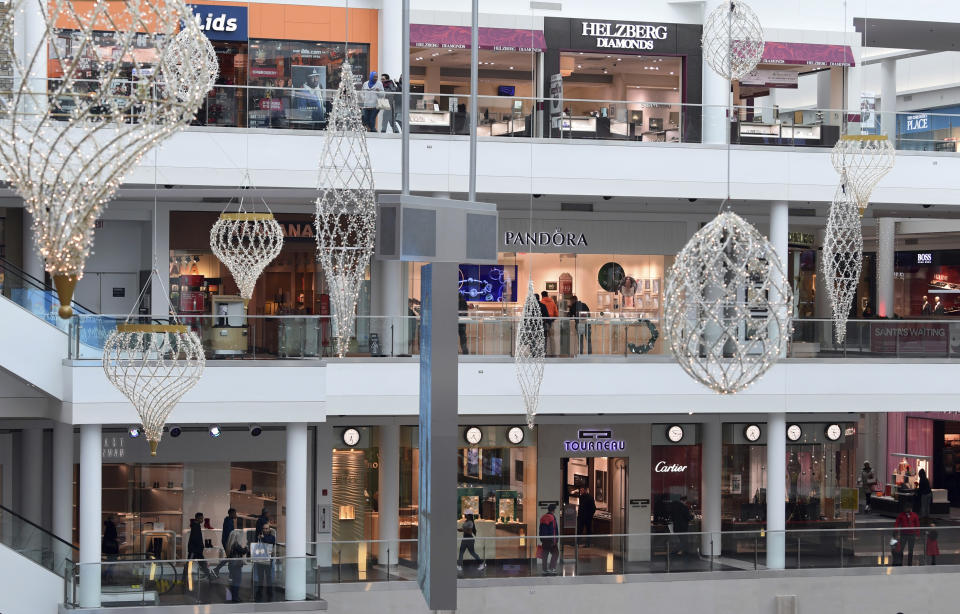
{"x": 36, "y": 564}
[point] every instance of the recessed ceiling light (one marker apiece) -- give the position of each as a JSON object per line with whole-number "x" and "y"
{"x": 511, "y": 68}
{"x": 579, "y": 66}
{"x": 671, "y": 72}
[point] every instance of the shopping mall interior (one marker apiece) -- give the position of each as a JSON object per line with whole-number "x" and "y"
{"x": 391, "y": 307}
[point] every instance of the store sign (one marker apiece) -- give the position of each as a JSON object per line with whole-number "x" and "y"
{"x": 557, "y": 238}
{"x": 925, "y": 258}
{"x": 221, "y": 23}
{"x": 594, "y": 440}
{"x": 614, "y": 35}
{"x": 800, "y": 239}
{"x": 264, "y": 72}
{"x": 771, "y": 78}
{"x": 899, "y": 339}
{"x": 663, "y": 467}
{"x": 918, "y": 122}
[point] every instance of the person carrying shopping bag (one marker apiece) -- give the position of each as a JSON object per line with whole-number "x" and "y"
{"x": 262, "y": 554}
{"x": 371, "y": 96}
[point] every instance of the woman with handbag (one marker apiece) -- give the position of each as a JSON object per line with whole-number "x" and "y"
{"x": 235, "y": 551}
{"x": 262, "y": 555}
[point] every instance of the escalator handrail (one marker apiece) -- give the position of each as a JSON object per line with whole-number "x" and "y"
{"x": 40, "y": 285}
{"x": 38, "y": 527}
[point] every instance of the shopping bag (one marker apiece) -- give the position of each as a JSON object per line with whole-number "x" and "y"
{"x": 261, "y": 552}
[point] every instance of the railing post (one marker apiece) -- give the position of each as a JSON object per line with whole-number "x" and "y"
{"x": 756, "y": 547}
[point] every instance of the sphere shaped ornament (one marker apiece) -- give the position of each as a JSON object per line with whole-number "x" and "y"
{"x": 66, "y": 142}
{"x": 732, "y": 39}
{"x": 346, "y": 211}
{"x": 192, "y": 59}
{"x": 529, "y": 353}
{"x": 153, "y": 365}
{"x": 246, "y": 243}
{"x": 842, "y": 258}
{"x": 862, "y": 160}
{"x": 727, "y": 305}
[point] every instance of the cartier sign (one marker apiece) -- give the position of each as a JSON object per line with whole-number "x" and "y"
{"x": 663, "y": 467}
{"x": 633, "y": 36}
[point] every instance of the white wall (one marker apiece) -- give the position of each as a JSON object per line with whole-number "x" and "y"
{"x": 47, "y": 345}
{"x": 888, "y": 590}
{"x": 29, "y": 588}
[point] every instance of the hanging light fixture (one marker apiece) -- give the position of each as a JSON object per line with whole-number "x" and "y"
{"x": 191, "y": 60}
{"x": 732, "y": 39}
{"x": 727, "y": 305}
{"x": 529, "y": 353}
{"x": 246, "y": 242}
{"x": 862, "y": 160}
{"x": 346, "y": 209}
{"x": 153, "y": 365}
{"x": 842, "y": 257}
{"x": 66, "y": 143}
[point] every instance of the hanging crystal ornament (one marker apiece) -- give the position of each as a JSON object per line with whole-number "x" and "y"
{"x": 863, "y": 160}
{"x": 246, "y": 242}
{"x": 153, "y": 365}
{"x": 842, "y": 258}
{"x": 346, "y": 209}
{"x": 191, "y": 60}
{"x": 727, "y": 305}
{"x": 67, "y": 142}
{"x": 732, "y": 39}
{"x": 529, "y": 353}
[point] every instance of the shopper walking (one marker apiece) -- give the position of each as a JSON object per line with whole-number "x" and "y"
{"x": 229, "y": 524}
{"x": 867, "y": 482}
{"x": 933, "y": 547}
{"x": 924, "y": 496}
{"x": 585, "y": 512}
{"x": 549, "y": 534}
{"x": 262, "y": 553}
{"x": 110, "y": 544}
{"x": 469, "y": 530}
{"x": 195, "y": 549}
{"x": 908, "y": 522}
{"x": 262, "y": 519}
{"x": 547, "y": 301}
{"x": 372, "y": 94}
{"x": 235, "y": 552}
{"x": 389, "y": 116}
{"x": 680, "y": 516}
{"x": 579, "y": 312}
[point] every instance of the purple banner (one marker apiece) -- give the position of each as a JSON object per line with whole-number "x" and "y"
{"x": 458, "y": 37}
{"x": 807, "y": 54}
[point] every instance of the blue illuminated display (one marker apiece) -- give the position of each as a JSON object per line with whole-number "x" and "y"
{"x": 486, "y": 282}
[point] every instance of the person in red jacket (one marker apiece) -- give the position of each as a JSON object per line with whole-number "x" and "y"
{"x": 549, "y": 532}
{"x": 552, "y": 312}
{"x": 933, "y": 548}
{"x": 908, "y": 522}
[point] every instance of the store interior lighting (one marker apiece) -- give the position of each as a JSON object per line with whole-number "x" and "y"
{"x": 214, "y": 430}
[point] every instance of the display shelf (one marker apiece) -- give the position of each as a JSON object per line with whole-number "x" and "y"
{"x": 250, "y": 494}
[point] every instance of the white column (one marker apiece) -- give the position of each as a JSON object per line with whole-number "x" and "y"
{"x": 776, "y": 489}
{"x": 91, "y": 493}
{"x": 886, "y": 240}
{"x": 324, "y": 464}
{"x": 888, "y": 98}
{"x": 160, "y": 285}
{"x": 716, "y": 97}
{"x": 389, "y": 503}
{"x": 295, "y": 580}
{"x": 711, "y": 479}
{"x": 390, "y": 305}
{"x": 63, "y": 481}
{"x": 391, "y": 35}
{"x": 31, "y": 475}
{"x": 779, "y": 229}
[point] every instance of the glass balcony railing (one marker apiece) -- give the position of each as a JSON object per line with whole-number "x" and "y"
{"x": 193, "y": 582}
{"x": 596, "y": 337}
{"x": 34, "y": 295}
{"x": 34, "y": 542}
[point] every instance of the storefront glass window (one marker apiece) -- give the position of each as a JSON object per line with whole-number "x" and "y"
{"x": 675, "y": 473}
{"x": 356, "y": 490}
{"x": 291, "y": 81}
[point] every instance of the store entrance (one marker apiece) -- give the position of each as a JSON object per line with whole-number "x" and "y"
{"x": 594, "y": 513}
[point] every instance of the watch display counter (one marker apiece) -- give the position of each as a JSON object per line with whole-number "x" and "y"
{"x": 429, "y": 121}
{"x": 800, "y": 135}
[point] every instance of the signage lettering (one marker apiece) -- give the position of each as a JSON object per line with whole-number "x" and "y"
{"x": 594, "y": 440}
{"x": 558, "y": 238}
{"x": 662, "y": 467}
{"x": 909, "y": 331}
{"x": 221, "y": 22}
{"x": 926, "y": 258}
{"x": 638, "y": 36}
{"x": 918, "y": 121}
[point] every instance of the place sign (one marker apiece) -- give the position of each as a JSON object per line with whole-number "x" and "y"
{"x": 918, "y": 122}
{"x": 622, "y": 35}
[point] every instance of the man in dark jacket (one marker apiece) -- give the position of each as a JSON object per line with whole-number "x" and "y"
{"x": 195, "y": 548}
{"x": 229, "y": 524}
{"x": 579, "y": 312}
{"x": 545, "y": 317}
{"x": 262, "y": 519}
{"x": 681, "y": 517}
{"x": 585, "y": 512}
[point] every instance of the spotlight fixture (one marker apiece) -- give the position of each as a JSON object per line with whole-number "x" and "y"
{"x": 134, "y": 432}
{"x": 175, "y": 430}
{"x": 255, "y": 430}
{"x": 214, "y": 430}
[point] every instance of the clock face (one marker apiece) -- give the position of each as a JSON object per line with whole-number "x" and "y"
{"x": 351, "y": 437}
{"x": 752, "y": 432}
{"x": 473, "y": 435}
{"x": 794, "y": 432}
{"x": 515, "y": 434}
{"x": 834, "y": 432}
{"x": 675, "y": 433}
